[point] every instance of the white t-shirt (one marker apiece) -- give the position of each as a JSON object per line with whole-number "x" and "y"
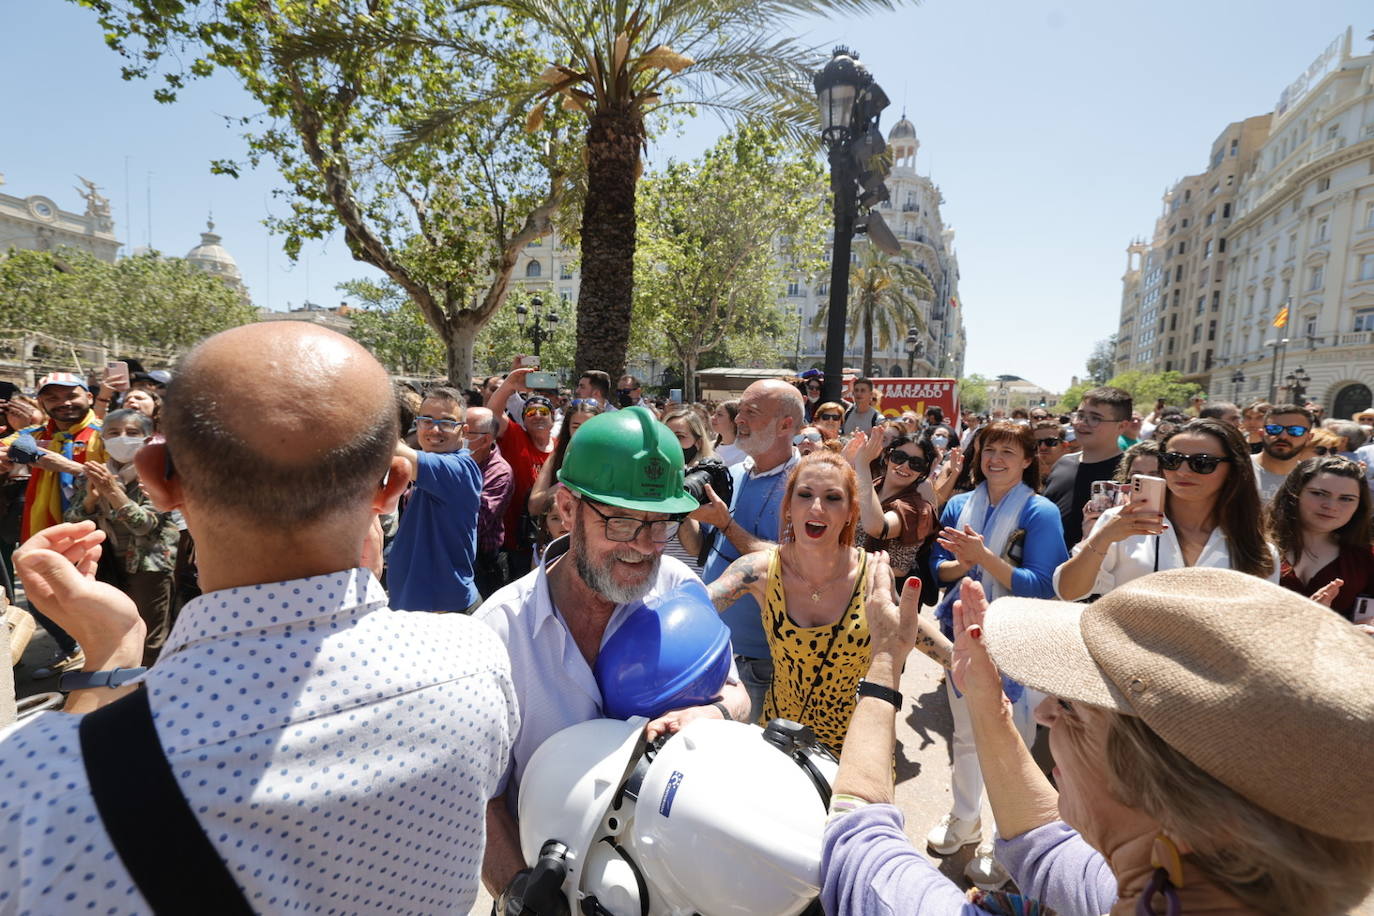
{"x": 731, "y": 454}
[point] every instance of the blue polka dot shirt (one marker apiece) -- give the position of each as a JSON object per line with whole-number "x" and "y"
{"x": 338, "y": 754}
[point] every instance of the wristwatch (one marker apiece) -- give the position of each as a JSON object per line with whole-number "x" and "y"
{"x": 724, "y": 711}
{"x": 870, "y": 689}
{"x": 80, "y": 680}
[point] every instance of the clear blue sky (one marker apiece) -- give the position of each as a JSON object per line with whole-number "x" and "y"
{"x": 1051, "y": 128}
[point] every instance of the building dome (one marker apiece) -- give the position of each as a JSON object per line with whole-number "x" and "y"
{"x": 211, "y": 257}
{"x": 902, "y": 130}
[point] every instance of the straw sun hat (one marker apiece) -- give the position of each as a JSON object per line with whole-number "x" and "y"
{"x": 1265, "y": 690}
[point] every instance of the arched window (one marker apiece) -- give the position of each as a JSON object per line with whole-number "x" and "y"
{"x": 1351, "y": 400}
{"x": 533, "y": 269}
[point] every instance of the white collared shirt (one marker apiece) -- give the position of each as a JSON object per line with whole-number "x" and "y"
{"x": 1136, "y": 556}
{"x": 338, "y": 754}
{"x": 553, "y": 682}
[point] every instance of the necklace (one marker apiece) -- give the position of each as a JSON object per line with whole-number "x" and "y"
{"x": 816, "y": 589}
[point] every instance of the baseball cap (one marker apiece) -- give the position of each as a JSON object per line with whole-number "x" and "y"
{"x": 1267, "y": 691}
{"x": 66, "y": 379}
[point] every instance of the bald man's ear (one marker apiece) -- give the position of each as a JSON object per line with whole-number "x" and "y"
{"x": 158, "y": 476}
{"x": 389, "y": 491}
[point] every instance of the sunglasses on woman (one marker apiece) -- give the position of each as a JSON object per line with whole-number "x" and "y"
{"x": 1200, "y": 464}
{"x": 829, "y": 416}
{"x": 799, "y": 438}
{"x": 1048, "y": 442}
{"x": 915, "y": 462}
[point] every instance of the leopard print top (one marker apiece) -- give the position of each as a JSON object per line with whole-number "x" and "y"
{"x": 816, "y": 670}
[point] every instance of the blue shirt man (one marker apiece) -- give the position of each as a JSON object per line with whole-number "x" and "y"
{"x": 431, "y": 561}
{"x": 770, "y": 414}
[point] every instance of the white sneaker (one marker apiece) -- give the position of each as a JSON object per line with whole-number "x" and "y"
{"x": 953, "y": 834}
{"x": 984, "y": 870}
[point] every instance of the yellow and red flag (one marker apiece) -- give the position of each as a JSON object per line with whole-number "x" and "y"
{"x": 1281, "y": 319}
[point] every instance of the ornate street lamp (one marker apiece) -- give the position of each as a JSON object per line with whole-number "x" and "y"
{"x": 538, "y": 334}
{"x": 850, "y": 103}
{"x": 1297, "y": 384}
{"x": 913, "y": 350}
{"x": 1238, "y": 379}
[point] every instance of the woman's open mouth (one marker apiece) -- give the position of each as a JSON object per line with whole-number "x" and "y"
{"x": 815, "y": 529}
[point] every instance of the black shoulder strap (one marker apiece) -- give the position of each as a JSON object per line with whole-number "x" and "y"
{"x": 147, "y": 818}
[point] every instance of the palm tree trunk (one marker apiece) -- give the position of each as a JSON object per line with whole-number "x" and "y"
{"x": 868, "y": 339}
{"x": 604, "y": 300}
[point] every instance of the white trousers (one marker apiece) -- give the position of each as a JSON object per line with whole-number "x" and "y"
{"x": 966, "y": 779}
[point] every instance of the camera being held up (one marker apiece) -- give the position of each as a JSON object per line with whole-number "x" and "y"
{"x": 711, "y": 471}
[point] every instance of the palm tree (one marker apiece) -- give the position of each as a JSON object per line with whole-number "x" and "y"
{"x": 885, "y": 296}
{"x": 615, "y": 63}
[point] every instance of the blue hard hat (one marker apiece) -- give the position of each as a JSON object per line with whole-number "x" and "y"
{"x": 672, "y": 651}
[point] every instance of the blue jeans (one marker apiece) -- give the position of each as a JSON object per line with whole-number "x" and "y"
{"x": 756, "y": 674}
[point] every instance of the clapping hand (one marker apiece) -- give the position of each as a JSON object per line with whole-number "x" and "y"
{"x": 972, "y": 668}
{"x": 1328, "y": 592}
{"x": 965, "y": 546}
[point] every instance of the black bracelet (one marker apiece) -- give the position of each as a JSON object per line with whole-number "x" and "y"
{"x": 80, "y": 680}
{"x": 724, "y": 712}
{"x": 870, "y": 689}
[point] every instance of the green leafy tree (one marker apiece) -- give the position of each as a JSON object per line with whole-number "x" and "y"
{"x": 390, "y": 325}
{"x": 142, "y": 303}
{"x": 615, "y": 63}
{"x": 707, "y": 276}
{"x": 973, "y": 392}
{"x": 445, "y": 222}
{"x": 1102, "y": 361}
{"x": 1145, "y": 388}
{"x": 504, "y": 336}
{"x": 885, "y": 296}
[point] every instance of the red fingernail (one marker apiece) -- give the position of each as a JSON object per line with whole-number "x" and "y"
{"x": 975, "y": 632}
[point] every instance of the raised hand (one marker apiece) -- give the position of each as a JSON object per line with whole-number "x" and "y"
{"x": 1328, "y": 592}
{"x": 972, "y": 668}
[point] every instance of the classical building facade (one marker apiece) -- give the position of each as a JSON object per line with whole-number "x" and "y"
{"x": 1172, "y": 289}
{"x": 1262, "y": 267}
{"x": 1304, "y": 246}
{"x": 37, "y": 223}
{"x": 548, "y": 267}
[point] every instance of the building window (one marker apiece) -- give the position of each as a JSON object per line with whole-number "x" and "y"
{"x": 1197, "y": 335}
{"x": 533, "y": 269}
{"x": 1292, "y": 246}
{"x": 1178, "y": 273}
{"x": 565, "y": 295}
{"x": 565, "y": 271}
{"x": 1369, "y": 216}
{"x": 1211, "y": 331}
{"x": 1316, "y": 277}
{"x": 1225, "y": 211}
{"x": 1366, "y": 267}
{"x": 1192, "y": 363}
{"x": 1216, "y": 300}
{"x": 1323, "y": 184}
{"x": 823, "y": 289}
{"x": 793, "y": 288}
{"x": 1364, "y": 320}
{"x": 1221, "y": 245}
{"x": 1323, "y": 229}
{"x": 1235, "y": 147}
{"x": 1309, "y": 327}
{"x": 1201, "y": 305}
{"x": 1206, "y": 250}
{"x": 1210, "y": 218}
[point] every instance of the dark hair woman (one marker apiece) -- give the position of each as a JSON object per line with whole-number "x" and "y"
{"x": 1320, "y": 522}
{"x": 1212, "y": 510}
{"x": 893, "y": 514}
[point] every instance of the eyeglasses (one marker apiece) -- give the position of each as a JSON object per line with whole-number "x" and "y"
{"x": 447, "y": 426}
{"x": 915, "y": 462}
{"x": 1090, "y": 420}
{"x": 1323, "y": 450}
{"x": 1048, "y": 442}
{"x": 799, "y": 438}
{"x": 538, "y": 410}
{"x": 1201, "y": 464}
{"x": 829, "y": 416}
{"x": 1274, "y": 429}
{"x": 625, "y": 528}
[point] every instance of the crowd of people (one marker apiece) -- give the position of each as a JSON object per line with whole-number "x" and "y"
{"x": 348, "y": 644}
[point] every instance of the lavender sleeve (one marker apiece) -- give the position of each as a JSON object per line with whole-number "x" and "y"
{"x": 869, "y": 867}
{"x": 1056, "y": 866}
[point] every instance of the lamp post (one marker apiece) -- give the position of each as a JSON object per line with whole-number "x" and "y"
{"x": 1237, "y": 379}
{"x": 913, "y": 350}
{"x": 849, "y": 103}
{"x": 1277, "y": 344}
{"x": 537, "y": 332}
{"x": 1297, "y": 384}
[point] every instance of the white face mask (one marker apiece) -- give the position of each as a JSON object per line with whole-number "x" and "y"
{"x": 940, "y": 441}
{"x": 123, "y": 448}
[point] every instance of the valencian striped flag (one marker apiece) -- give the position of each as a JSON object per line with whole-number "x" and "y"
{"x": 954, "y": 302}
{"x": 1281, "y": 319}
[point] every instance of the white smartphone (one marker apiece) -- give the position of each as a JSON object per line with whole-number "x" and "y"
{"x": 1364, "y": 610}
{"x": 1147, "y": 491}
{"x": 117, "y": 375}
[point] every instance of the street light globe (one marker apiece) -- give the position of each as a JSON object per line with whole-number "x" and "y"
{"x": 837, "y": 85}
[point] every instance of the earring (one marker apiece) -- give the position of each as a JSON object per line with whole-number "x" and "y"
{"x": 787, "y": 534}
{"x": 1168, "y": 876}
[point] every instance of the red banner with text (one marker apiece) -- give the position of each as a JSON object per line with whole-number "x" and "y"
{"x": 916, "y": 394}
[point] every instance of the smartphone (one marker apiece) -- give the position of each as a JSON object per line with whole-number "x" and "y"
{"x": 529, "y": 362}
{"x": 1147, "y": 491}
{"x": 541, "y": 379}
{"x": 1364, "y": 610}
{"x": 117, "y": 374}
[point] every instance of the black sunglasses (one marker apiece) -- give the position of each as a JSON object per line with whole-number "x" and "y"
{"x": 915, "y": 462}
{"x": 1048, "y": 442}
{"x": 1324, "y": 450}
{"x": 1201, "y": 464}
{"x": 828, "y": 416}
{"x": 1296, "y": 432}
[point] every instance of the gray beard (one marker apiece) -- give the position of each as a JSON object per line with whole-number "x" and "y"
{"x": 599, "y": 580}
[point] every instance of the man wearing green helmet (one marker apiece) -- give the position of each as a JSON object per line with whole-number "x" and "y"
{"x": 622, "y": 500}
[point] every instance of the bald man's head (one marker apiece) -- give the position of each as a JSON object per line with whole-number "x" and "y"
{"x": 280, "y": 421}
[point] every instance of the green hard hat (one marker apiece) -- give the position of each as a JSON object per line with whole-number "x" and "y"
{"x": 627, "y": 458}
